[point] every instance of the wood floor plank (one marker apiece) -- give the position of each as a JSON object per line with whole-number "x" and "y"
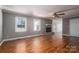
{"x": 42, "y": 44}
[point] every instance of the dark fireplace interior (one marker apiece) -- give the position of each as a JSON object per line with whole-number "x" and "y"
{"x": 48, "y": 28}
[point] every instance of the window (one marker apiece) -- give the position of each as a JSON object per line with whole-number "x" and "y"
{"x": 20, "y": 24}
{"x": 37, "y": 24}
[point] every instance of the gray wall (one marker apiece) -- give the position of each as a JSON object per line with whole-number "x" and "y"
{"x": 74, "y": 27}
{"x": 71, "y": 26}
{"x": 0, "y": 24}
{"x": 9, "y": 26}
{"x": 66, "y": 26}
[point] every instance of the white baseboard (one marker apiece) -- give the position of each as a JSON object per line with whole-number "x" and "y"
{"x": 66, "y": 34}
{"x": 1, "y": 43}
{"x": 19, "y": 38}
{"x": 69, "y": 35}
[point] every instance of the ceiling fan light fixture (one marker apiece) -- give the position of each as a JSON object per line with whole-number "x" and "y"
{"x": 53, "y": 16}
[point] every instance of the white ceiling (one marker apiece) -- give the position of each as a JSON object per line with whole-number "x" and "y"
{"x": 43, "y": 10}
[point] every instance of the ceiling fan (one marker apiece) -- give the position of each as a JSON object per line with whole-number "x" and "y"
{"x": 61, "y": 13}
{"x": 57, "y": 15}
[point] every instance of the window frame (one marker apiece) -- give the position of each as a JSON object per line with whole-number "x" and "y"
{"x": 19, "y": 19}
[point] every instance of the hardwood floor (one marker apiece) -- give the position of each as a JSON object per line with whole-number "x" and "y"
{"x": 43, "y": 44}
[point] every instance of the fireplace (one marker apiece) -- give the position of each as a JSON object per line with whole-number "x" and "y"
{"x": 48, "y": 27}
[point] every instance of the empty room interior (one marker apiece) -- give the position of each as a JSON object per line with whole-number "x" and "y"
{"x": 39, "y": 28}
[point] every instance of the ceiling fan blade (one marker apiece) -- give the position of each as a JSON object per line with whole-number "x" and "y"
{"x": 57, "y": 15}
{"x": 60, "y": 13}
